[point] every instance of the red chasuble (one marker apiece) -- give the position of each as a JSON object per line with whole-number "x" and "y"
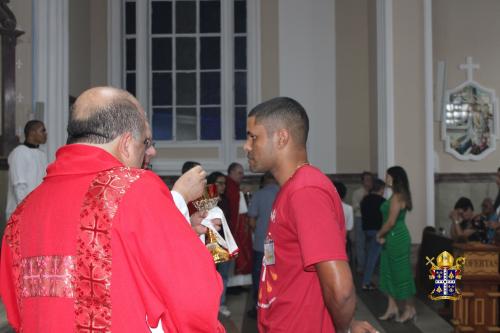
{"x": 240, "y": 229}
{"x": 98, "y": 247}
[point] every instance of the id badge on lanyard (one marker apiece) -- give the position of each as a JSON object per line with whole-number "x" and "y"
{"x": 269, "y": 251}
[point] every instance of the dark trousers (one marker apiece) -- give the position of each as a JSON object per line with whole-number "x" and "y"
{"x": 257, "y": 265}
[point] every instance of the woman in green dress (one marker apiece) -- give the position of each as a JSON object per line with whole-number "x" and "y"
{"x": 396, "y": 277}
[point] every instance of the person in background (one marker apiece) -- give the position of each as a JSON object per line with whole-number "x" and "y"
{"x": 372, "y": 222}
{"x": 241, "y": 275}
{"x": 396, "y": 277}
{"x": 359, "y": 235}
{"x": 348, "y": 211}
{"x": 496, "y": 205}
{"x": 259, "y": 212}
{"x": 490, "y": 219}
{"x": 219, "y": 179}
{"x": 27, "y": 164}
{"x": 467, "y": 226}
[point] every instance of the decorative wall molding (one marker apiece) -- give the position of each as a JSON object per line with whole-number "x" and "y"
{"x": 483, "y": 177}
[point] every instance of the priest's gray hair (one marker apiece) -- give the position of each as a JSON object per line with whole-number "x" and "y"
{"x": 99, "y": 120}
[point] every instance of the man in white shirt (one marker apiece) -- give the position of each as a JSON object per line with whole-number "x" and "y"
{"x": 348, "y": 211}
{"x": 27, "y": 164}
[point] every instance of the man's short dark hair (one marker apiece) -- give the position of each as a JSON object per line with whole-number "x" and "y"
{"x": 188, "y": 165}
{"x": 233, "y": 166}
{"x": 464, "y": 203}
{"x": 106, "y": 122}
{"x": 31, "y": 126}
{"x": 378, "y": 184}
{"x": 366, "y": 173}
{"x": 212, "y": 178}
{"x": 341, "y": 189}
{"x": 283, "y": 111}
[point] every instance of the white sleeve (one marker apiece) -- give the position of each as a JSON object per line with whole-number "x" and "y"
{"x": 181, "y": 205}
{"x": 19, "y": 167}
{"x": 243, "y": 204}
{"x": 349, "y": 218}
{"x": 20, "y": 191}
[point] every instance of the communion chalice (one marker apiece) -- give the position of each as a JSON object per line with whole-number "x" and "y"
{"x": 206, "y": 202}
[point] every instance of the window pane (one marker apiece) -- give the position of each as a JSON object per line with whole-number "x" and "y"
{"x": 210, "y": 53}
{"x": 161, "y": 20}
{"x": 209, "y": 16}
{"x": 240, "y": 16}
{"x": 186, "y": 89}
{"x": 240, "y": 123}
{"x": 162, "y": 123}
{"x": 210, "y": 88}
{"x": 240, "y": 53}
{"x": 186, "y": 53}
{"x": 130, "y": 54}
{"x": 130, "y": 84}
{"x": 130, "y": 18}
{"x": 162, "y": 89}
{"x": 210, "y": 123}
{"x": 185, "y": 17}
{"x": 161, "y": 52}
{"x": 186, "y": 124}
{"x": 240, "y": 88}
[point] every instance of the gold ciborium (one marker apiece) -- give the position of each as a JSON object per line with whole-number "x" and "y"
{"x": 206, "y": 202}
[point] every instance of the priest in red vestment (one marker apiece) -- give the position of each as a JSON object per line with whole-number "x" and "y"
{"x": 100, "y": 246}
{"x": 239, "y": 225}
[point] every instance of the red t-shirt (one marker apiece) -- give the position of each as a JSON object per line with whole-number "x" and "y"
{"x": 307, "y": 227}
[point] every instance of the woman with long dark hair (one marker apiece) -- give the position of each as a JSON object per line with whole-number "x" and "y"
{"x": 396, "y": 277}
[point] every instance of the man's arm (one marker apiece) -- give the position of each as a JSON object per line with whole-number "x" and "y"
{"x": 338, "y": 292}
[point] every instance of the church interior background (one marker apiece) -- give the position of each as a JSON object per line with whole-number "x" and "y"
{"x": 384, "y": 82}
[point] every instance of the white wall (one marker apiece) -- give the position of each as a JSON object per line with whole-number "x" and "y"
{"x": 307, "y": 71}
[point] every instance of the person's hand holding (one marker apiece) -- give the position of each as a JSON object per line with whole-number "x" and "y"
{"x": 191, "y": 184}
{"x": 196, "y": 219}
{"x": 362, "y": 327}
{"x": 455, "y": 215}
{"x": 199, "y": 228}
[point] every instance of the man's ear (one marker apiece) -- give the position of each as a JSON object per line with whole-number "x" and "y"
{"x": 283, "y": 136}
{"x": 125, "y": 145}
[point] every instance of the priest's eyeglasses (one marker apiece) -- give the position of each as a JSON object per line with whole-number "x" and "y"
{"x": 148, "y": 143}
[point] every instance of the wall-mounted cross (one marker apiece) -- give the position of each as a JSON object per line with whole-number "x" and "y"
{"x": 469, "y": 67}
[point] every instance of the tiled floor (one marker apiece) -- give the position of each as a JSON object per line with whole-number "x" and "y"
{"x": 369, "y": 306}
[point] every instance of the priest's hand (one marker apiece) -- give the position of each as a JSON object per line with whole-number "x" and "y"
{"x": 191, "y": 184}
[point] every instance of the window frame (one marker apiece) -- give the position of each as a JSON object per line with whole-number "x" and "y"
{"x": 227, "y": 146}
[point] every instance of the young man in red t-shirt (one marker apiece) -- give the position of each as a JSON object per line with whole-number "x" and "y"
{"x": 306, "y": 283}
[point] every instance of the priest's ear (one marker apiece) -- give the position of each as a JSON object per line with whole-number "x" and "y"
{"x": 125, "y": 147}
